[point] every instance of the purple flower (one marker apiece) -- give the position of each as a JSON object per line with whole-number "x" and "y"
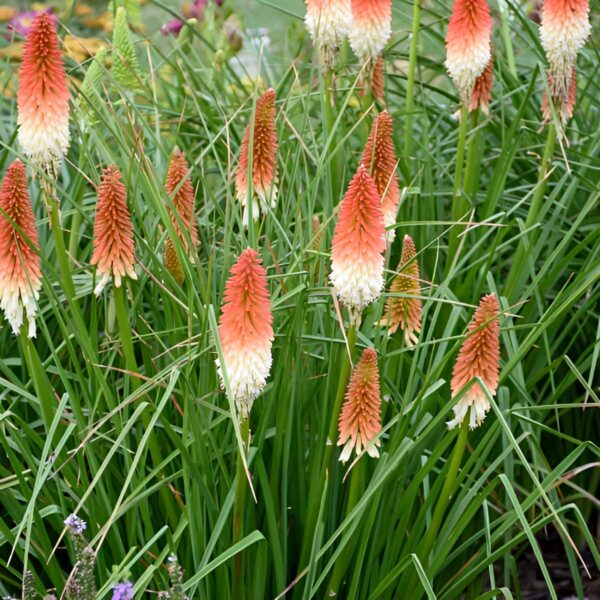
{"x": 21, "y": 23}
{"x": 195, "y": 11}
{"x": 122, "y": 591}
{"x": 75, "y": 524}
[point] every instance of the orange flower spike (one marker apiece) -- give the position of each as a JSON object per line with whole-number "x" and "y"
{"x": 564, "y": 29}
{"x": 43, "y": 97}
{"x": 371, "y": 28}
{"x": 114, "y": 252}
{"x": 379, "y": 158}
{"x": 482, "y": 91}
{"x": 478, "y": 357}
{"x": 405, "y": 313}
{"x": 264, "y": 159}
{"x": 357, "y": 260}
{"x": 179, "y": 188}
{"x": 246, "y": 331}
{"x": 378, "y": 80}
{"x": 20, "y": 271}
{"x": 359, "y": 423}
{"x": 328, "y": 22}
{"x": 468, "y": 45}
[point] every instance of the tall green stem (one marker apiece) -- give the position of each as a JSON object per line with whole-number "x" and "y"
{"x": 459, "y": 201}
{"x": 410, "y": 83}
{"x": 341, "y": 566}
{"x": 239, "y": 503}
{"x": 505, "y": 31}
{"x": 517, "y": 275}
{"x": 424, "y": 550}
{"x": 125, "y": 334}
{"x": 334, "y": 156}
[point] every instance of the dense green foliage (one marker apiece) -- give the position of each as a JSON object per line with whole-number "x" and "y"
{"x": 114, "y": 411}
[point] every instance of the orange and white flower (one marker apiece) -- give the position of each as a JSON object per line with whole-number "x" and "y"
{"x": 264, "y": 159}
{"x": 328, "y": 22}
{"x": 478, "y": 357}
{"x": 379, "y": 158}
{"x": 371, "y": 28}
{"x": 246, "y": 331}
{"x": 20, "y": 271}
{"x": 359, "y": 422}
{"x": 565, "y": 26}
{"x": 403, "y": 310}
{"x": 114, "y": 252}
{"x": 357, "y": 260}
{"x": 179, "y": 188}
{"x": 468, "y": 45}
{"x": 43, "y": 97}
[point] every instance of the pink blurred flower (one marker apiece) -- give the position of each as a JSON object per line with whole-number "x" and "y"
{"x": 21, "y": 24}
{"x": 193, "y": 11}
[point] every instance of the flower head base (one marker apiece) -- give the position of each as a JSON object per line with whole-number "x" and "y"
{"x": 359, "y": 423}
{"x": 403, "y": 311}
{"x": 468, "y": 45}
{"x": 563, "y": 107}
{"x": 371, "y": 28}
{"x": 75, "y": 524}
{"x": 264, "y": 159}
{"x": 565, "y": 26}
{"x": 482, "y": 91}
{"x": 113, "y": 231}
{"x": 478, "y": 357}
{"x": 357, "y": 260}
{"x": 379, "y": 158}
{"x": 246, "y": 331}
{"x": 328, "y": 22}
{"x": 179, "y": 188}
{"x": 20, "y": 272}
{"x": 43, "y": 97}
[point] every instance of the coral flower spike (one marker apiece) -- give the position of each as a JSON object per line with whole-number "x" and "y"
{"x": 379, "y": 157}
{"x": 328, "y": 22}
{"x": 113, "y": 231}
{"x": 371, "y": 28}
{"x": 43, "y": 97}
{"x": 358, "y": 244}
{"x": 264, "y": 159}
{"x": 468, "y": 45}
{"x": 478, "y": 357}
{"x": 246, "y": 331}
{"x": 402, "y": 312}
{"x": 359, "y": 423}
{"x": 565, "y": 26}
{"x": 20, "y": 273}
{"x": 179, "y": 188}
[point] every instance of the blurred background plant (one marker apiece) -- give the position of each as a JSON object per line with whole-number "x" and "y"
{"x": 147, "y": 456}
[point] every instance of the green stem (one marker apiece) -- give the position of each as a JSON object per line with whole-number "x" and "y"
{"x": 459, "y": 201}
{"x": 317, "y": 491}
{"x": 341, "y": 566}
{"x": 59, "y": 242}
{"x": 125, "y": 334}
{"x": 505, "y": 31}
{"x": 411, "y": 580}
{"x": 410, "y": 84}
{"x": 517, "y": 275}
{"x": 334, "y": 156}
{"x": 239, "y": 503}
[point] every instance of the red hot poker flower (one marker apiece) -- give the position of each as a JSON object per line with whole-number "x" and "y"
{"x": 402, "y": 312}
{"x": 20, "y": 271}
{"x": 43, "y": 97}
{"x": 357, "y": 260}
{"x": 371, "y": 28}
{"x": 379, "y": 158}
{"x": 179, "y": 188}
{"x": 114, "y": 252}
{"x": 264, "y": 159}
{"x": 360, "y": 418}
{"x": 246, "y": 331}
{"x": 478, "y": 357}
